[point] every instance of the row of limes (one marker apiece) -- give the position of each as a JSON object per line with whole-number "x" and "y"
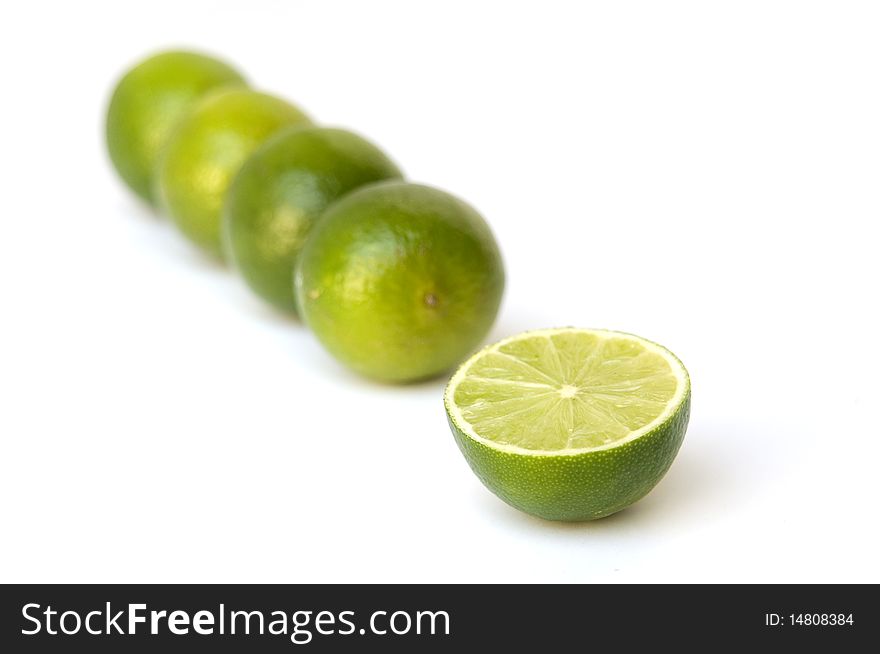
{"x": 399, "y": 281}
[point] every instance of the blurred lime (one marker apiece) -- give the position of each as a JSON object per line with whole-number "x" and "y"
{"x": 279, "y": 193}
{"x": 207, "y": 149}
{"x": 146, "y": 104}
{"x": 400, "y": 281}
{"x": 570, "y": 424}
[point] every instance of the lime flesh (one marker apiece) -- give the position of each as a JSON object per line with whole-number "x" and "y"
{"x": 570, "y": 424}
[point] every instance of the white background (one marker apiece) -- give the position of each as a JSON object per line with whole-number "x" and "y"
{"x": 704, "y": 174}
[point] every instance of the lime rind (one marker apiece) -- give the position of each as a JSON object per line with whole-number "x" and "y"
{"x": 541, "y": 402}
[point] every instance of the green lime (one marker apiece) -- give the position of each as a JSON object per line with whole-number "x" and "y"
{"x": 280, "y": 192}
{"x": 400, "y": 281}
{"x": 147, "y": 103}
{"x": 570, "y": 424}
{"x": 206, "y": 150}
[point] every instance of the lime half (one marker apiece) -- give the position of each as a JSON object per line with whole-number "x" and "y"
{"x": 570, "y": 424}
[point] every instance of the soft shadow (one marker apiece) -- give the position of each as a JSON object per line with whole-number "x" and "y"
{"x": 262, "y": 310}
{"x": 198, "y": 257}
{"x": 172, "y": 241}
{"x": 313, "y": 355}
{"x": 135, "y": 206}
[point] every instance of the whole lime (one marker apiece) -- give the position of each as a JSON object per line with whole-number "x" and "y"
{"x": 148, "y": 102}
{"x": 400, "y": 281}
{"x": 206, "y": 150}
{"x": 280, "y": 192}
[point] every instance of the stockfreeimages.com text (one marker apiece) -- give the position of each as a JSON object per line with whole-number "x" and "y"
{"x": 300, "y": 626}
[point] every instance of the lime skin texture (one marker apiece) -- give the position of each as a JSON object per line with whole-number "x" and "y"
{"x": 400, "y": 281}
{"x": 148, "y": 102}
{"x": 278, "y": 195}
{"x": 207, "y": 149}
{"x": 578, "y": 487}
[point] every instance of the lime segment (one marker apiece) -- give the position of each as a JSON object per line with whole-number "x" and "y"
{"x": 564, "y": 390}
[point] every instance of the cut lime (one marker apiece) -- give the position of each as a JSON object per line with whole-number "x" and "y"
{"x": 570, "y": 424}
